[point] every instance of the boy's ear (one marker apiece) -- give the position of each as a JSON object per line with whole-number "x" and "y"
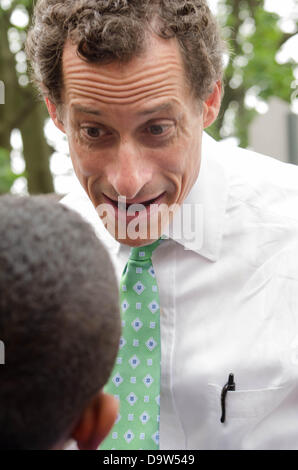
{"x": 96, "y": 421}
{"x": 211, "y": 105}
{"x": 54, "y": 114}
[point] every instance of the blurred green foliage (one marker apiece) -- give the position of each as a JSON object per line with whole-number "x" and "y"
{"x": 7, "y": 177}
{"x": 22, "y": 109}
{"x": 254, "y": 38}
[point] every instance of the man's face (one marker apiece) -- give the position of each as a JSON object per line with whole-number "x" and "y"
{"x": 134, "y": 130}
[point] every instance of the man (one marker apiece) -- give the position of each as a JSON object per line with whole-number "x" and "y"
{"x": 133, "y": 84}
{"x": 60, "y": 325}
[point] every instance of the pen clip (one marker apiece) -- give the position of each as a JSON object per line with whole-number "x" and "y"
{"x": 229, "y": 386}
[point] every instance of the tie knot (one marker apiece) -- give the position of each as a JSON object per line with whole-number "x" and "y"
{"x": 143, "y": 253}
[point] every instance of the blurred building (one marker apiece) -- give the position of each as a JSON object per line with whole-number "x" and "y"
{"x": 276, "y": 132}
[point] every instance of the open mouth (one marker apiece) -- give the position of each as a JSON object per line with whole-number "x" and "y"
{"x": 135, "y": 206}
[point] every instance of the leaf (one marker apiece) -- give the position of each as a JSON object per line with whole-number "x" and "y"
{"x": 7, "y": 177}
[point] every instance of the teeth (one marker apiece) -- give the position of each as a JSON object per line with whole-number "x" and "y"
{"x": 134, "y": 207}
{"x": 137, "y": 207}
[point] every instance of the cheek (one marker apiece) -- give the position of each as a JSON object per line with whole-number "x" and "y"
{"x": 188, "y": 147}
{"x": 183, "y": 158}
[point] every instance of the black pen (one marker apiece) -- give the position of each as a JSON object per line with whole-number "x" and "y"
{"x": 230, "y": 386}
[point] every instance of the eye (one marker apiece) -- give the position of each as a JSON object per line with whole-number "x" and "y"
{"x": 156, "y": 129}
{"x": 93, "y": 132}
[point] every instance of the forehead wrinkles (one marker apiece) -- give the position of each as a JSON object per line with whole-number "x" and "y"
{"x": 83, "y": 80}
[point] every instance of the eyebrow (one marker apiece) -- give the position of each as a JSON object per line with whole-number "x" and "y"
{"x": 162, "y": 107}
{"x": 82, "y": 109}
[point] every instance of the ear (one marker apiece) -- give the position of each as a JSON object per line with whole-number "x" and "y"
{"x": 53, "y": 112}
{"x": 212, "y": 105}
{"x": 96, "y": 422}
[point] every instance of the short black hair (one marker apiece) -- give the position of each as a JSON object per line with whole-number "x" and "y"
{"x": 59, "y": 320}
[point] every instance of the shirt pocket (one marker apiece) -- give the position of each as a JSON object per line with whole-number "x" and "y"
{"x": 254, "y": 403}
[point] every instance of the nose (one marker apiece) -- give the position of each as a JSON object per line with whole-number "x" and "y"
{"x": 129, "y": 171}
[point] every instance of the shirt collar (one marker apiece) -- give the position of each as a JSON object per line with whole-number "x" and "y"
{"x": 203, "y": 219}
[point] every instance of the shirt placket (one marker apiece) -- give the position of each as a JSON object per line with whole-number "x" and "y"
{"x": 171, "y": 432}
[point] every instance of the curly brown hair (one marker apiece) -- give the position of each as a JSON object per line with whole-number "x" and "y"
{"x": 114, "y": 30}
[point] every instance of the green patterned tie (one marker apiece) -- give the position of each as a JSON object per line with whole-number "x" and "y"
{"x": 135, "y": 380}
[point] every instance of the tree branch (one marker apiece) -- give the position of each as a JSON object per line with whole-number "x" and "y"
{"x": 286, "y": 37}
{"x": 28, "y": 107}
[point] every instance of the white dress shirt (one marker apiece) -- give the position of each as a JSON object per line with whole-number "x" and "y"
{"x": 228, "y": 305}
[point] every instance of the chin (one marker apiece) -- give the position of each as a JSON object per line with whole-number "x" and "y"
{"x": 137, "y": 242}
{"x": 141, "y": 240}
{"x": 137, "y": 232}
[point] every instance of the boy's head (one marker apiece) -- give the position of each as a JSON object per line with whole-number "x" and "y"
{"x": 60, "y": 325}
